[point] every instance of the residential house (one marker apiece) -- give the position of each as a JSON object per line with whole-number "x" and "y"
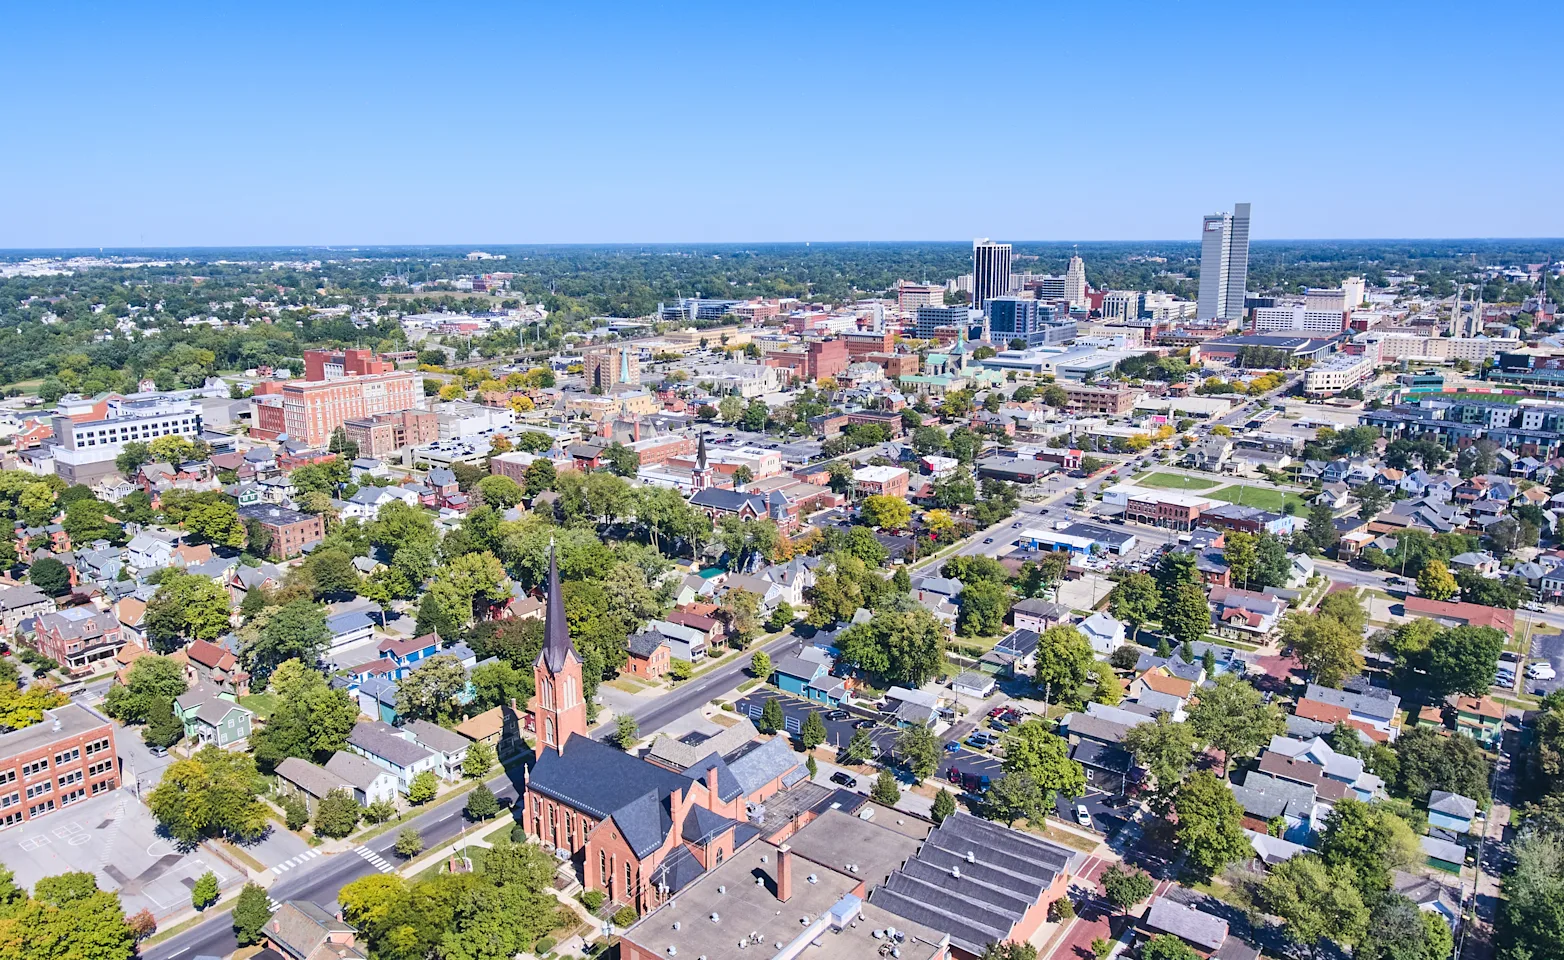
{"x": 20, "y": 603}
{"x": 1204, "y": 933}
{"x": 1036, "y": 614}
{"x": 1430, "y": 895}
{"x": 390, "y": 749}
{"x": 80, "y": 639}
{"x": 1245, "y": 615}
{"x": 714, "y": 628}
{"x": 503, "y": 728}
{"x": 1451, "y": 811}
{"x": 376, "y": 696}
{"x": 1015, "y": 654}
{"x": 403, "y": 652}
{"x": 1462, "y": 614}
{"x": 296, "y": 777}
{"x": 1105, "y": 633}
{"x": 1159, "y": 680}
{"x": 151, "y": 551}
{"x": 808, "y": 674}
{"x": 684, "y": 643}
{"x": 1376, "y": 709}
{"x": 1481, "y": 718}
{"x": 1479, "y": 562}
{"x": 770, "y": 594}
{"x": 348, "y": 629}
{"x": 911, "y": 707}
{"x": 301, "y": 930}
{"x": 1265, "y": 799}
{"x": 213, "y": 717}
{"x": 217, "y": 667}
{"x": 648, "y": 655}
{"x": 449, "y": 748}
{"x": 1313, "y": 762}
{"x": 794, "y": 577}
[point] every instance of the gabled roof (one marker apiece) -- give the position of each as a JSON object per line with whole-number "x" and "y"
{"x": 1380, "y": 708}
{"x": 598, "y": 779}
{"x": 382, "y": 740}
{"x": 1452, "y": 804}
{"x": 1201, "y": 929}
{"x": 764, "y": 762}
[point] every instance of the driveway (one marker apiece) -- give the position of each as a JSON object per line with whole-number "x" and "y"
{"x": 1105, "y": 817}
{"x": 142, "y": 771}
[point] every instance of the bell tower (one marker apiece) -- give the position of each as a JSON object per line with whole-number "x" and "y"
{"x": 559, "y": 707}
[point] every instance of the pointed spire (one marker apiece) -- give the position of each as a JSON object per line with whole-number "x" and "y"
{"x": 700, "y": 453}
{"x": 556, "y": 631}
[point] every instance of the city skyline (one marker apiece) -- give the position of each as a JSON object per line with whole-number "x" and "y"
{"x": 237, "y": 129}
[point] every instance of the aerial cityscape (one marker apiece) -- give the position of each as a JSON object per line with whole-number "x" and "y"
{"x": 725, "y": 552}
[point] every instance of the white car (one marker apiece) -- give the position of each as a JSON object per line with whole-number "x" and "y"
{"x": 1541, "y": 671}
{"x": 1082, "y": 815}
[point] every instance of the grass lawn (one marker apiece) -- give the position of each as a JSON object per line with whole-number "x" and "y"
{"x": 1265, "y": 498}
{"x": 1174, "y": 481}
{"x": 260, "y": 704}
{"x": 1066, "y": 837}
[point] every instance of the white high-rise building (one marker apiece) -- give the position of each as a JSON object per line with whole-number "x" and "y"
{"x": 1224, "y": 264}
{"x": 1121, "y": 305}
{"x": 1075, "y": 282}
{"x": 990, "y": 271}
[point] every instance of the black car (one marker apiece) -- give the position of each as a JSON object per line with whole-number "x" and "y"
{"x": 844, "y": 779}
{"x": 836, "y": 715}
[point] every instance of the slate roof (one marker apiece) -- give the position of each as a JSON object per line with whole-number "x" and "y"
{"x": 1199, "y": 928}
{"x": 345, "y": 623}
{"x": 300, "y": 927}
{"x": 1006, "y": 877}
{"x": 764, "y": 762}
{"x": 1101, "y": 757}
{"x": 646, "y": 643}
{"x": 1452, "y": 804}
{"x": 719, "y": 499}
{"x": 381, "y": 740}
{"x": 1266, "y": 797}
{"x": 1380, "y": 708}
{"x": 434, "y": 737}
{"x": 678, "y": 870}
{"x": 314, "y": 780}
{"x": 679, "y": 755}
{"x": 702, "y": 825}
{"x": 599, "y": 779}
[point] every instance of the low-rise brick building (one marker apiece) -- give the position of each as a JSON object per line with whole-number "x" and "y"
{"x": 80, "y": 639}
{"x": 66, "y": 757}
{"x": 290, "y": 529}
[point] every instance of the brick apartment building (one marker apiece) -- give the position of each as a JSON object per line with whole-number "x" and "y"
{"x": 67, "y": 756}
{"x": 612, "y": 368}
{"x": 1165, "y": 508}
{"x": 1110, "y": 400}
{"x": 895, "y": 365}
{"x": 385, "y": 433}
{"x": 290, "y": 529}
{"x": 338, "y": 385}
{"x": 818, "y": 359}
{"x": 336, "y": 364}
{"x": 881, "y": 481}
{"x": 79, "y": 638}
{"x": 860, "y": 344}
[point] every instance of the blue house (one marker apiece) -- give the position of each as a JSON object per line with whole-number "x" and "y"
{"x": 808, "y": 675}
{"x": 406, "y": 651}
{"x": 377, "y": 698}
{"x": 1451, "y": 811}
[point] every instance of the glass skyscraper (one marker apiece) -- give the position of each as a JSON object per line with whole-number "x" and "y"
{"x": 1224, "y": 264}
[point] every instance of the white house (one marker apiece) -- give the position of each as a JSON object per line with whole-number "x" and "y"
{"x": 1104, "y": 631}
{"x": 370, "y": 782}
{"x": 150, "y": 551}
{"x": 449, "y": 748}
{"x": 392, "y": 750}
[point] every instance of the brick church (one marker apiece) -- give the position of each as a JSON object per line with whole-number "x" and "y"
{"x": 636, "y": 830}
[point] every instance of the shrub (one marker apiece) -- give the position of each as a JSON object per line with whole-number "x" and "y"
{"x": 1100, "y": 947}
{"x": 205, "y": 891}
{"x": 593, "y": 899}
{"x": 296, "y": 813}
{"x": 543, "y": 946}
{"x": 625, "y": 916}
{"x": 1061, "y": 909}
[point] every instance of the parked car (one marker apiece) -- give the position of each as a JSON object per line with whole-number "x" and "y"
{"x": 999, "y": 726}
{"x": 1082, "y": 815}
{"x": 1542, "y": 670}
{"x": 952, "y": 747}
{"x": 837, "y": 715}
{"x": 843, "y": 779}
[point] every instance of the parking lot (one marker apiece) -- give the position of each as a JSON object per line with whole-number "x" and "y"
{"x": 794, "y": 711}
{"x": 115, "y": 838}
{"x": 1551, "y": 649}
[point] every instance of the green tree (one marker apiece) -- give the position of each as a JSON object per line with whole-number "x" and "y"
{"x": 1398, "y": 930}
{"x": 760, "y": 665}
{"x": 1044, "y": 758}
{"x": 1368, "y": 841}
{"x": 421, "y": 789}
{"x": 919, "y": 750}
{"x": 1210, "y": 824}
{"x": 1064, "y": 658}
{"x": 133, "y": 455}
{"x": 251, "y": 912}
{"x": 1231, "y": 716}
{"x": 1435, "y": 582}
{"x": 1015, "y": 796}
{"x": 1009, "y": 950}
{"x": 1136, "y": 601}
{"x": 1241, "y": 554}
{"x": 67, "y": 917}
{"x": 1125, "y": 887}
{"x": 337, "y": 815}
{"x": 944, "y": 805}
{"x": 216, "y": 521}
{"x": 311, "y": 719}
{"x": 1314, "y": 902}
{"x": 812, "y": 732}
{"x": 149, "y": 679}
{"x": 626, "y": 731}
{"x": 295, "y": 811}
{"x": 205, "y": 891}
{"x": 885, "y": 789}
{"x": 859, "y": 749}
{"x": 1532, "y": 909}
{"x": 212, "y": 793}
{"x": 891, "y": 513}
{"x": 296, "y": 631}
{"x": 163, "y": 728}
{"x": 1321, "y": 528}
{"x": 496, "y": 684}
{"x": 1428, "y": 761}
{"x": 984, "y": 606}
{"x": 433, "y": 691}
{"x": 50, "y": 576}
{"x": 478, "y": 762}
{"x": 481, "y": 804}
{"x": 409, "y": 843}
{"x": 1326, "y": 647}
{"x": 1464, "y": 659}
{"x": 771, "y": 719}
{"x": 1165, "y": 946}
{"x": 1166, "y": 748}
{"x": 1186, "y": 617}
{"x": 185, "y": 607}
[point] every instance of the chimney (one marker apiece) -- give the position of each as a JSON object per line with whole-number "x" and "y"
{"x": 712, "y": 788}
{"x": 784, "y": 873}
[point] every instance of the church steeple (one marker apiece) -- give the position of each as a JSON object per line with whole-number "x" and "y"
{"x": 700, "y": 453}
{"x": 558, "y": 708}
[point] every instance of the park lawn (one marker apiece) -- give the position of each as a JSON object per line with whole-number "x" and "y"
{"x": 1174, "y": 481}
{"x": 260, "y": 704}
{"x": 1265, "y": 498}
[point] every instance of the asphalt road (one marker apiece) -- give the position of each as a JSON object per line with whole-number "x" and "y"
{"x": 321, "y": 878}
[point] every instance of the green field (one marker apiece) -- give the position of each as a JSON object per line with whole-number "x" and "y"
{"x": 1174, "y": 481}
{"x": 1263, "y": 497}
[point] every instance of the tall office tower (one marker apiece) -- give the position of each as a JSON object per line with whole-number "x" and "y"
{"x": 1075, "y": 282}
{"x": 1224, "y": 264}
{"x": 990, "y": 271}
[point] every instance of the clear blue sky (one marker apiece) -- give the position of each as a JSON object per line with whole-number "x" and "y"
{"x": 290, "y": 123}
